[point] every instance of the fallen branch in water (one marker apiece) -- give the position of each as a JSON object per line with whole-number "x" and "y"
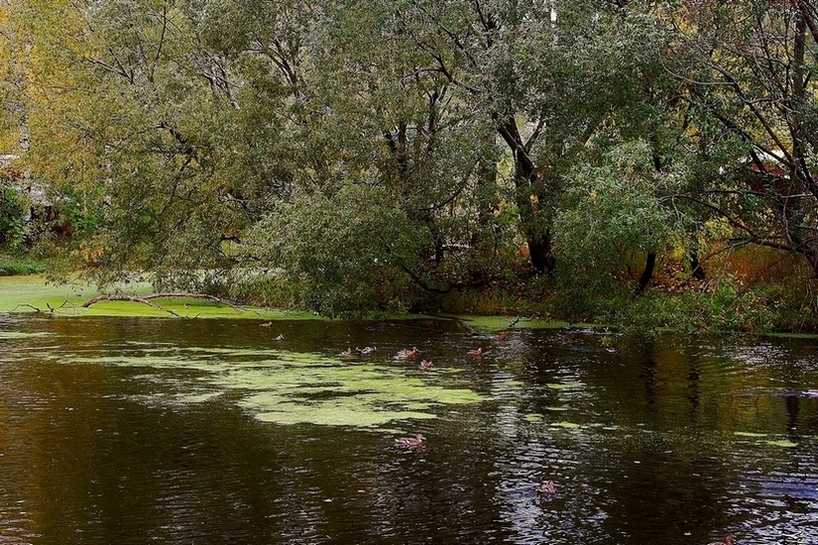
{"x": 146, "y": 299}
{"x": 52, "y": 309}
{"x": 36, "y": 309}
{"x": 132, "y": 298}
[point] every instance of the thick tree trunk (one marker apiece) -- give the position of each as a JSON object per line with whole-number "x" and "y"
{"x": 530, "y": 199}
{"x": 540, "y": 252}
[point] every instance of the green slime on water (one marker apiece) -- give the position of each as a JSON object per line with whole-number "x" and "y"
{"x": 293, "y": 388}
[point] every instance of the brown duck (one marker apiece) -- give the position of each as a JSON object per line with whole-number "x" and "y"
{"x": 411, "y": 442}
{"x": 728, "y": 540}
{"x": 547, "y": 489}
{"x": 408, "y": 353}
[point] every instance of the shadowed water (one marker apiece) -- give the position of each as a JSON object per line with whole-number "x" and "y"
{"x": 124, "y": 430}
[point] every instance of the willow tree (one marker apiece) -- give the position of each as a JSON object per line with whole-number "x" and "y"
{"x": 136, "y": 116}
{"x": 13, "y": 137}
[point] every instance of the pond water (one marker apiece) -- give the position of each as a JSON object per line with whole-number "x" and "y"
{"x": 128, "y": 430}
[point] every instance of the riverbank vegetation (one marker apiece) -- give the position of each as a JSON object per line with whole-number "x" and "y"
{"x": 641, "y": 163}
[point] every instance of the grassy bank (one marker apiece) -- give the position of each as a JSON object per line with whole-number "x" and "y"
{"x": 752, "y": 290}
{"x": 35, "y": 294}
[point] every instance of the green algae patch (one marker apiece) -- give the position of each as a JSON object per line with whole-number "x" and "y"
{"x": 20, "y": 335}
{"x": 289, "y": 387}
{"x": 565, "y": 385}
{"x": 749, "y": 434}
{"x": 783, "y": 443}
{"x": 495, "y": 324}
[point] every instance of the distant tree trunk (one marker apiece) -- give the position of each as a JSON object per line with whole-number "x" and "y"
{"x": 696, "y": 268}
{"x": 487, "y": 200}
{"x": 647, "y": 274}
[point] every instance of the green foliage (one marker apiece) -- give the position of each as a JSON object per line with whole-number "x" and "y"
{"x": 612, "y": 211}
{"x": 13, "y": 207}
{"x": 346, "y": 253}
{"x": 13, "y": 265}
{"x": 360, "y": 155}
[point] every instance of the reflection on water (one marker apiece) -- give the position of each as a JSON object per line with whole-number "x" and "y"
{"x": 206, "y": 431}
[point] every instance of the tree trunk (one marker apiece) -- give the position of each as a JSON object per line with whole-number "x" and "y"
{"x": 696, "y": 269}
{"x": 647, "y": 274}
{"x": 540, "y": 252}
{"x": 530, "y": 199}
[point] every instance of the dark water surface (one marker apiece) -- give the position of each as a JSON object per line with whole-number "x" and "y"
{"x": 117, "y": 431}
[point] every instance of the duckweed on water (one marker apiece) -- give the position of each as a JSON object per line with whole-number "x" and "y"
{"x": 19, "y": 335}
{"x": 566, "y": 425}
{"x": 749, "y": 434}
{"x": 564, "y": 385}
{"x": 290, "y": 388}
{"x": 782, "y": 443}
{"x": 495, "y": 324}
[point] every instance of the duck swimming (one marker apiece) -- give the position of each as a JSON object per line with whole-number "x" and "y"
{"x": 411, "y": 442}
{"x": 425, "y": 365}
{"x": 477, "y": 353}
{"x": 547, "y": 489}
{"x": 728, "y": 540}
{"x": 408, "y": 353}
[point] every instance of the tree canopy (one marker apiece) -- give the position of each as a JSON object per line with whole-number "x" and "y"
{"x": 382, "y": 155}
